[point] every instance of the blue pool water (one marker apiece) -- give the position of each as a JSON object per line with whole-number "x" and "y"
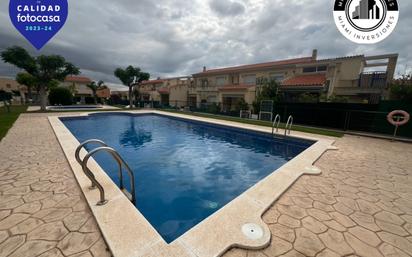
{"x": 184, "y": 170}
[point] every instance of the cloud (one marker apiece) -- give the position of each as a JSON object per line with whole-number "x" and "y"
{"x": 227, "y": 7}
{"x": 176, "y": 37}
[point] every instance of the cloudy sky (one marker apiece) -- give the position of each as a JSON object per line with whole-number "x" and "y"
{"x": 179, "y": 37}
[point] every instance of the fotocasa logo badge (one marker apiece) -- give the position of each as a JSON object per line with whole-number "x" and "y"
{"x": 38, "y": 20}
{"x": 366, "y": 21}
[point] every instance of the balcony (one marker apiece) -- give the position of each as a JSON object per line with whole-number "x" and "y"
{"x": 373, "y": 80}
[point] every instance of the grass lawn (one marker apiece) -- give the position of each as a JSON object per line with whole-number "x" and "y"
{"x": 312, "y": 130}
{"x": 7, "y": 119}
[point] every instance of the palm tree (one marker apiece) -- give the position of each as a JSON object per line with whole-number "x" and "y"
{"x": 96, "y": 87}
{"x": 44, "y": 68}
{"x": 93, "y": 88}
{"x": 130, "y": 77}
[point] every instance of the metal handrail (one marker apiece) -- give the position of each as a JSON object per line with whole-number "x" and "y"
{"x": 119, "y": 160}
{"x": 288, "y": 126}
{"x": 276, "y": 122}
{"x": 88, "y": 172}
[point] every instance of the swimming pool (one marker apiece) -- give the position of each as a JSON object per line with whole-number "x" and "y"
{"x": 184, "y": 170}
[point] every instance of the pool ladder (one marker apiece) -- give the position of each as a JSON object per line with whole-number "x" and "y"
{"x": 95, "y": 184}
{"x": 289, "y": 125}
{"x": 276, "y": 123}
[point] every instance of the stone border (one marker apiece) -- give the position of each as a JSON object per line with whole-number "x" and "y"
{"x": 128, "y": 233}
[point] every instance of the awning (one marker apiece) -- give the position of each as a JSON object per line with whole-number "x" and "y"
{"x": 231, "y": 88}
{"x": 314, "y": 80}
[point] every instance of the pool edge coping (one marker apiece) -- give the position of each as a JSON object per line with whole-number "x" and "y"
{"x": 128, "y": 233}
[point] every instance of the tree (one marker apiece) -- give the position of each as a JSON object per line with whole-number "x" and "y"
{"x": 267, "y": 90}
{"x": 6, "y": 97}
{"x": 60, "y": 96}
{"x": 401, "y": 88}
{"x": 130, "y": 77}
{"x": 96, "y": 87}
{"x": 44, "y": 68}
{"x": 24, "y": 78}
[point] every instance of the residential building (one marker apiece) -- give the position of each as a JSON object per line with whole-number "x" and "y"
{"x": 120, "y": 95}
{"x": 358, "y": 78}
{"x": 78, "y": 85}
{"x": 168, "y": 91}
{"x": 10, "y": 85}
{"x": 149, "y": 90}
{"x": 82, "y": 93}
{"x": 104, "y": 93}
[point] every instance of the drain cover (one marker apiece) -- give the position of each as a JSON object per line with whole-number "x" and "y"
{"x": 252, "y": 231}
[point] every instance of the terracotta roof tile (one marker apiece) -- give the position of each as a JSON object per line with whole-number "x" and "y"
{"x": 163, "y": 90}
{"x": 259, "y": 65}
{"x": 156, "y": 81}
{"x": 306, "y": 80}
{"x": 78, "y": 79}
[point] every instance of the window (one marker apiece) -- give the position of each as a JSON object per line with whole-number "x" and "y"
{"x": 249, "y": 79}
{"x": 309, "y": 69}
{"x": 8, "y": 85}
{"x": 220, "y": 81}
{"x": 277, "y": 77}
{"x": 315, "y": 69}
{"x": 205, "y": 82}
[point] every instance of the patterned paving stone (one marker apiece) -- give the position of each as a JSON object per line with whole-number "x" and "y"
{"x": 12, "y": 220}
{"x": 365, "y": 235}
{"x": 372, "y": 215}
{"x": 3, "y": 236}
{"x": 26, "y": 226}
{"x": 11, "y": 244}
{"x": 76, "y": 220}
{"x": 29, "y": 208}
{"x": 52, "y": 253}
{"x": 360, "y": 247}
{"x": 77, "y": 242}
{"x": 335, "y": 241}
{"x": 34, "y": 248}
{"x": 400, "y": 242}
{"x": 289, "y": 221}
{"x": 389, "y": 217}
{"x": 390, "y": 251}
{"x": 392, "y": 228}
{"x": 359, "y": 206}
{"x": 307, "y": 242}
{"x": 54, "y": 231}
{"x": 277, "y": 247}
{"x": 292, "y": 253}
{"x": 314, "y": 225}
{"x": 283, "y": 232}
{"x": 39, "y": 197}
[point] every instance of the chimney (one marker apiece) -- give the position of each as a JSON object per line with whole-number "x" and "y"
{"x": 314, "y": 54}
{"x": 204, "y": 68}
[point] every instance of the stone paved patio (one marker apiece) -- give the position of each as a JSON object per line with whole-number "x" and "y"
{"x": 42, "y": 210}
{"x": 361, "y": 205}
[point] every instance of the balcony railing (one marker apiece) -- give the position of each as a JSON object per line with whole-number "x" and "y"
{"x": 375, "y": 80}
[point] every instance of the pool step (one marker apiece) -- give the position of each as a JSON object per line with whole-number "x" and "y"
{"x": 127, "y": 194}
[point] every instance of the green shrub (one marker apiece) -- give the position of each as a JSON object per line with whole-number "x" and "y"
{"x": 60, "y": 96}
{"x": 401, "y": 88}
{"x": 308, "y": 98}
{"x": 5, "y": 96}
{"x": 213, "y": 108}
{"x": 240, "y": 105}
